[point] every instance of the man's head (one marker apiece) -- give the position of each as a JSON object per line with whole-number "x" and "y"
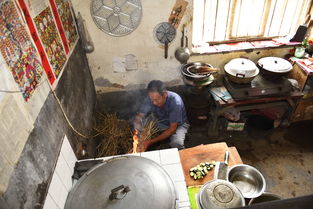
{"x": 157, "y": 92}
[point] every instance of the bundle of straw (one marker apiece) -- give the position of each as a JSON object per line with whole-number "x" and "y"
{"x": 115, "y": 135}
{"x": 149, "y": 131}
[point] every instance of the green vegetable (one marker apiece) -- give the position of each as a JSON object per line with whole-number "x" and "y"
{"x": 199, "y": 171}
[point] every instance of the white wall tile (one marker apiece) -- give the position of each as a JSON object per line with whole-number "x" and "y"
{"x": 58, "y": 191}
{"x": 169, "y": 156}
{"x": 61, "y": 182}
{"x": 49, "y": 203}
{"x": 153, "y": 155}
{"x": 54, "y": 189}
{"x": 64, "y": 172}
{"x": 175, "y": 171}
{"x": 63, "y": 197}
{"x": 68, "y": 153}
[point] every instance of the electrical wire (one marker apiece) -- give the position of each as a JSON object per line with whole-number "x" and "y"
{"x": 61, "y": 107}
{"x": 67, "y": 119}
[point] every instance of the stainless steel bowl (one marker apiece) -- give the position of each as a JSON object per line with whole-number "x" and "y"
{"x": 248, "y": 180}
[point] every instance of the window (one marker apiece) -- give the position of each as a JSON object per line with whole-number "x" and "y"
{"x": 217, "y": 21}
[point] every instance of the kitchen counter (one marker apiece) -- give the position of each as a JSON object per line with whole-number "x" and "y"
{"x": 169, "y": 159}
{"x": 205, "y": 153}
{"x": 177, "y": 164}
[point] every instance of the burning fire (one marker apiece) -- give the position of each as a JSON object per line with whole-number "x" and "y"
{"x": 135, "y": 141}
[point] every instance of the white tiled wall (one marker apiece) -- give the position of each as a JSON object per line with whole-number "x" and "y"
{"x": 61, "y": 182}
{"x": 169, "y": 159}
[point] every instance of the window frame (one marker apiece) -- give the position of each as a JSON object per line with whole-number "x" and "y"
{"x": 228, "y": 37}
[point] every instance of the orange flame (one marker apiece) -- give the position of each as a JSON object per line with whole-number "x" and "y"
{"x": 135, "y": 141}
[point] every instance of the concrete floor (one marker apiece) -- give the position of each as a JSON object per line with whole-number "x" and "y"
{"x": 283, "y": 155}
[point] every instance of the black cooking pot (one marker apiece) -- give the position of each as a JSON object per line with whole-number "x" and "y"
{"x": 274, "y": 68}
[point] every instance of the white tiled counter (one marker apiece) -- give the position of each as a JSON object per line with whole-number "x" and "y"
{"x": 168, "y": 159}
{"x": 61, "y": 182}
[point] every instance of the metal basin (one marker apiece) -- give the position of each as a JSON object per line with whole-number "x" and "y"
{"x": 248, "y": 180}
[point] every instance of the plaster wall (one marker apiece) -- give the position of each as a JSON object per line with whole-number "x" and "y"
{"x": 150, "y": 54}
{"x": 16, "y": 121}
{"x": 141, "y": 43}
{"x": 33, "y": 137}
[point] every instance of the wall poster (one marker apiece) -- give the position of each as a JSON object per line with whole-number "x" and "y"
{"x": 38, "y": 6}
{"x": 17, "y": 49}
{"x": 51, "y": 41}
{"x": 65, "y": 22}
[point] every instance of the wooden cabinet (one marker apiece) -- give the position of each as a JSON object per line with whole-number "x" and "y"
{"x": 304, "y": 109}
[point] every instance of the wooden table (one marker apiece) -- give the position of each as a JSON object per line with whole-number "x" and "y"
{"x": 288, "y": 101}
{"x": 205, "y": 153}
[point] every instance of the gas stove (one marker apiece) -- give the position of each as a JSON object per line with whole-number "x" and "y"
{"x": 259, "y": 87}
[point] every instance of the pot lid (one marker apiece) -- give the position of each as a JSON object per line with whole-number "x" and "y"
{"x": 123, "y": 182}
{"x": 275, "y": 64}
{"x": 242, "y": 67}
{"x": 220, "y": 194}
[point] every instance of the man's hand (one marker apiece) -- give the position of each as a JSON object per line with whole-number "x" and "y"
{"x": 143, "y": 146}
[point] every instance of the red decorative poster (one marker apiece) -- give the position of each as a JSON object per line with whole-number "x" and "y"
{"x": 50, "y": 39}
{"x": 17, "y": 49}
{"x": 65, "y": 22}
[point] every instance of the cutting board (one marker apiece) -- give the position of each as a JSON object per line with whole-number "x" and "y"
{"x": 205, "y": 153}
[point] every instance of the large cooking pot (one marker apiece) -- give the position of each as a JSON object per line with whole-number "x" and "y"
{"x": 241, "y": 70}
{"x": 124, "y": 182}
{"x": 274, "y": 67}
{"x": 219, "y": 193}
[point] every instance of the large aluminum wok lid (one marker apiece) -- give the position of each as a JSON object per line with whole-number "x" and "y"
{"x": 124, "y": 182}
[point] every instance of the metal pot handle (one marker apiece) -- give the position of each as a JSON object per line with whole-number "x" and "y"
{"x": 240, "y": 75}
{"x": 119, "y": 192}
